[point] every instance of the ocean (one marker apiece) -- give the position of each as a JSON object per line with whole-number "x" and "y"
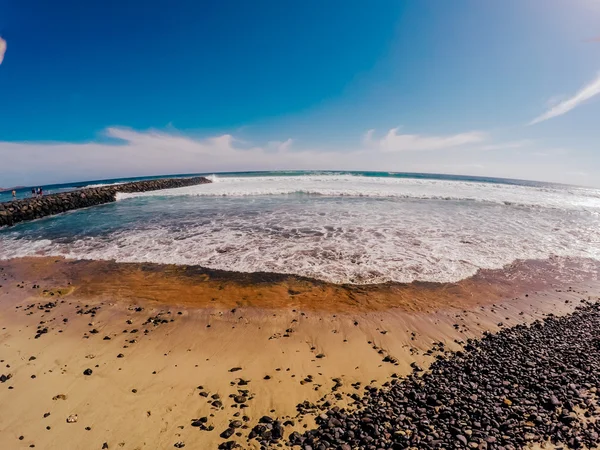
{"x": 342, "y": 227}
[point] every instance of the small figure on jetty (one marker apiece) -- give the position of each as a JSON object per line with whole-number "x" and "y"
{"x": 14, "y": 194}
{"x": 33, "y": 192}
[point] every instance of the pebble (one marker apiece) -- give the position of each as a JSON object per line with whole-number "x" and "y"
{"x": 522, "y": 385}
{"x": 227, "y": 433}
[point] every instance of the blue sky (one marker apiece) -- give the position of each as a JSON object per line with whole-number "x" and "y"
{"x": 102, "y": 89}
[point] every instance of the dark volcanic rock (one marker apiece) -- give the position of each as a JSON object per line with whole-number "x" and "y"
{"x": 33, "y": 208}
{"x": 523, "y": 385}
{"x": 239, "y": 399}
{"x": 228, "y": 445}
{"x": 227, "y": 433}
{"x": 235, "y": 424}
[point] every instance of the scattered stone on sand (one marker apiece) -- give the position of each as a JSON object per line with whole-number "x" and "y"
{"x": 227, "y": 433}
{"x": 523, "y": 385}
{"x": 72, "y": 418}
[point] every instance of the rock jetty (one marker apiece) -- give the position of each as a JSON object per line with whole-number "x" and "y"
{"x": 524, "y": 385}
{"x": 34, "y": 208}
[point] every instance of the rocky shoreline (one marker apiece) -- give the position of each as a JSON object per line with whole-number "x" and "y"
{"x": 34, "y": 208}
{"x": 522, "y": 386}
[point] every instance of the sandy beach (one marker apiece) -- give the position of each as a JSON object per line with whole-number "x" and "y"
{"x": 178, "y": 354}
{"x": 284, "y": 225}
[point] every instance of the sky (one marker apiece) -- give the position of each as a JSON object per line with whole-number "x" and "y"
{"x": 106, "y": 89}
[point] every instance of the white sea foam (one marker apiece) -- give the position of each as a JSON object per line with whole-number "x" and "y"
{"x": 353, "y": 229}
{"x": 380, "y": 187}
{"x": 102, "y": 185}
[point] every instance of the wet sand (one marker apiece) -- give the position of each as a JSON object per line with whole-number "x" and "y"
{"x": 283, "y": 339}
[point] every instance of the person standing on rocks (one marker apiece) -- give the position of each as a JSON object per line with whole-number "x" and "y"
{"x": 14, "y": 194}
{"x": 33, "y": 192}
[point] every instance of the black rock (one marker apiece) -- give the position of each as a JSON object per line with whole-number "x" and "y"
{"x": 227, "y": 433}
{"x": 505, "y": 391}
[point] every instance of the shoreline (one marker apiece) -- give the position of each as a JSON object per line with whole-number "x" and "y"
{"x": 199, "y": 287}
{"x": 170, "y": 348}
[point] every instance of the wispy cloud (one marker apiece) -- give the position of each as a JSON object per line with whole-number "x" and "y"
{"x": 587, "y": 92}
{"x": 507, "y": 145}
{"x": 550, "y": 152}
{"x": 394, "y": 142}
{"x": 2, "y": 49}
{"x": 152, "y": 152}
{"x": 282, "y": 146}
{"x": 135, "y": 153}
{"x": 594, "y": 39}
{"x": 130, "y": 152}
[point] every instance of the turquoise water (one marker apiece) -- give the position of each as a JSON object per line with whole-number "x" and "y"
{"x": 351, "y": 227}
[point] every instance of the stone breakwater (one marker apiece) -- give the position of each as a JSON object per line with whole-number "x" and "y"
{"x": 524, "y": 385}
{"x": 34, "y": 208}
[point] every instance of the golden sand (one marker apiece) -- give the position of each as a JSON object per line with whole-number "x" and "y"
{"x": 300, "y": 333}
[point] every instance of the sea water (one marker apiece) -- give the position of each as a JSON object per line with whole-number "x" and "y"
{"x": 344, "y": 227}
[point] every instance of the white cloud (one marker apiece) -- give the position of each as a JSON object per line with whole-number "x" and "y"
{"x": 587, "y": 92}
{"x": 147, "y": 153}
{"x": 280, "y": 146}
{"x": 507, "y": 145}
{"x": 555, "y": 100}
{"x": 394, "y": 142}
{"x": 130, "y": 153}
{"x": 153, "y": 152}
{"x": 550, "y": 152}
{"x": 2, "y": 49}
